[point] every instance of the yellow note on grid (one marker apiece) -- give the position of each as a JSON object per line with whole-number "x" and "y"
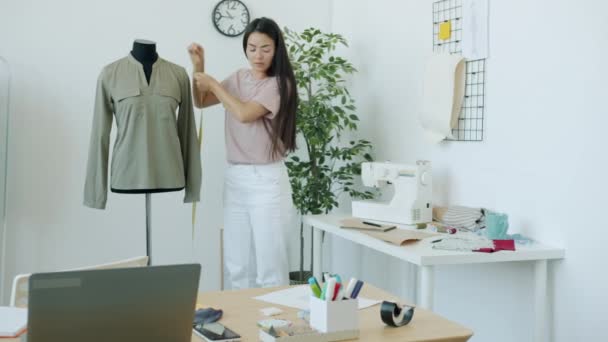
{"x": 445, "y": 30}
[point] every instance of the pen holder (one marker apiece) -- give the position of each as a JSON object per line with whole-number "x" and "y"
{"x": 332, "y": 316}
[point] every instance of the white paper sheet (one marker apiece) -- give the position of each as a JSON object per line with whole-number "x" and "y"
{"x": 12, "y": 321}
{"x": 299, "y": 297}
{"x": 475, "y": 14}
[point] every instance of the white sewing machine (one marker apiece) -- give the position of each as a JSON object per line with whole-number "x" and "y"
{"x": 411, "y": 202}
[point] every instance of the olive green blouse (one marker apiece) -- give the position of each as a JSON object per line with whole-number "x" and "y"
{"x": 153, "y": 149}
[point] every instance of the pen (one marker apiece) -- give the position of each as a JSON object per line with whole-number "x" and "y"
{"x": 371, "y": 224}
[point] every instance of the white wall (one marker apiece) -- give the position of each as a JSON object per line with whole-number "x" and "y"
{"x": 542, "y": 161}
{"x": 57, "y": 50}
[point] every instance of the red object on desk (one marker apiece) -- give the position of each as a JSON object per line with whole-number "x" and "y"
{"x": 337, "y": 289}
{"x": 499, "y": 245}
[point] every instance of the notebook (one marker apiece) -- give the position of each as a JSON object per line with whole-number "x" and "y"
{"x": 13, "y": 321}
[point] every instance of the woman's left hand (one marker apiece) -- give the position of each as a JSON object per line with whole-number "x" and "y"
{"x": 203, "y": 81}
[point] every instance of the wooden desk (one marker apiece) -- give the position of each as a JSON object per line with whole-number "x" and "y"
{"x": 241, "y": 312}
{"x": 425, "y": 257}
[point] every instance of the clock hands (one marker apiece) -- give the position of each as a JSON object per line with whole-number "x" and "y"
{"x": 218, "y": 17}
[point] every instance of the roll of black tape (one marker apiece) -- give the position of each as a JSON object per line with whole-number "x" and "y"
{"x": 394, "y": 315}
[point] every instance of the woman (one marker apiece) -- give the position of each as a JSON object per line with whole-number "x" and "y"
{"x": 260, "y": 127}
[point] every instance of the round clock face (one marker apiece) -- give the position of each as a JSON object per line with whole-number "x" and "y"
{"x": 231, "y": 17}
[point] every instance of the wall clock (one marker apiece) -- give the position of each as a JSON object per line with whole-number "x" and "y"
{"x": 231, "y": 17}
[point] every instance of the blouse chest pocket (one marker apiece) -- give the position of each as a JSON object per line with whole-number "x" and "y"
{"x": 168, "y": 96}
{"x": 125, "y": 95}
{"x": 168, "y": 99}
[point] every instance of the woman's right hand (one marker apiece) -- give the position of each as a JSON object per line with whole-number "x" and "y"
{"x": 197, "y": 55}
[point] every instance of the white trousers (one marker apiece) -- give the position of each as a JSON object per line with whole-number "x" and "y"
{"x": 255, "y": 199}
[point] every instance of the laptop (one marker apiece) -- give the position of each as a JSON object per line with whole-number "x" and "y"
{"x": 145, "y": 304}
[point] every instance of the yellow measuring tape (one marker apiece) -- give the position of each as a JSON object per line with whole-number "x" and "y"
{"x": 200, "y": 144}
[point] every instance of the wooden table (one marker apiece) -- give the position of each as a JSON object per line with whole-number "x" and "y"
{"x": 241, "y": 312}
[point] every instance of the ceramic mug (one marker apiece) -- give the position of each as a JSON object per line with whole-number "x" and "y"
{"x": 497, "y": 225}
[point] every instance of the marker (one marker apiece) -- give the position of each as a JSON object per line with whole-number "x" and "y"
{"x": 314, "y": 286}
{"x": 357, "y": 289}
{"x": 340, "y": 292}
{"x": 337, "y": 291}
{"x": 324, "y": 292}
{"x": 351, "y": 286}
{"x": 371, "y": 224}
{"x": 331, "y": 288}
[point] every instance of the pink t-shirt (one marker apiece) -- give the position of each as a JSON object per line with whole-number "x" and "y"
{"x": 249, "y": 143}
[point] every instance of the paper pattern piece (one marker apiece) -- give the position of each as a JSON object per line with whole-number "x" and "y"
{"x": 444, "y": 87}
{"x": 400, "y": 237}
{"x": 475, "y": 14}
{"x": 299, "y": 297}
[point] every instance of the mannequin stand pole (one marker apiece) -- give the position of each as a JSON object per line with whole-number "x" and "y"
{"x": 149, "y": 228}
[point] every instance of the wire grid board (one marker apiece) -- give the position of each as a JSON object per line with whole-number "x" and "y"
{"x": 470, "y": 119}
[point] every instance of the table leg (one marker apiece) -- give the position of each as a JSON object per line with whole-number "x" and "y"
{"x": 427, "y": 286}
{"x": 540, "y": 300}
{"x": 317, "y": 253}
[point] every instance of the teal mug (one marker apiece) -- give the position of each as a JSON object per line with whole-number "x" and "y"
{"x": 497, "y": 225}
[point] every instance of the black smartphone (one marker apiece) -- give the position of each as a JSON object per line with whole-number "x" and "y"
{"x": 210, "y": 332}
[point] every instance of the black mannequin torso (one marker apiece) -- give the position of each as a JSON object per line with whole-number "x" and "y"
{"x": 145, "y": 52}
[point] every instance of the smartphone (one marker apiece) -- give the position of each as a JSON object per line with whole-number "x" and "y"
{"x": 209, "y": 332}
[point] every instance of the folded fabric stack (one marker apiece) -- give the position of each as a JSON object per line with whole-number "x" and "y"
{"x": 464, "y": 242}
{"x": 459, "y": 217}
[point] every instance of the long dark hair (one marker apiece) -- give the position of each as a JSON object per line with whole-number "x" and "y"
{"x": 283, "y": 126}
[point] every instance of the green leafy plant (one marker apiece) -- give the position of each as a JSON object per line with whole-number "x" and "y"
{"x": 326, "y": 110}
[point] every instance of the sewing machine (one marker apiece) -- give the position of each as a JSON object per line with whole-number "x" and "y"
{"x": 411, "y": 201}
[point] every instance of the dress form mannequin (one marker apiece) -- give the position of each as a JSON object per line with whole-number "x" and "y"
{"x": 145, "y": 52}
{"x": 147, "y": 100}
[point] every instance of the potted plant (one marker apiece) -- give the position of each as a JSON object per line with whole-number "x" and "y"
{"x": 324, "y": 168}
